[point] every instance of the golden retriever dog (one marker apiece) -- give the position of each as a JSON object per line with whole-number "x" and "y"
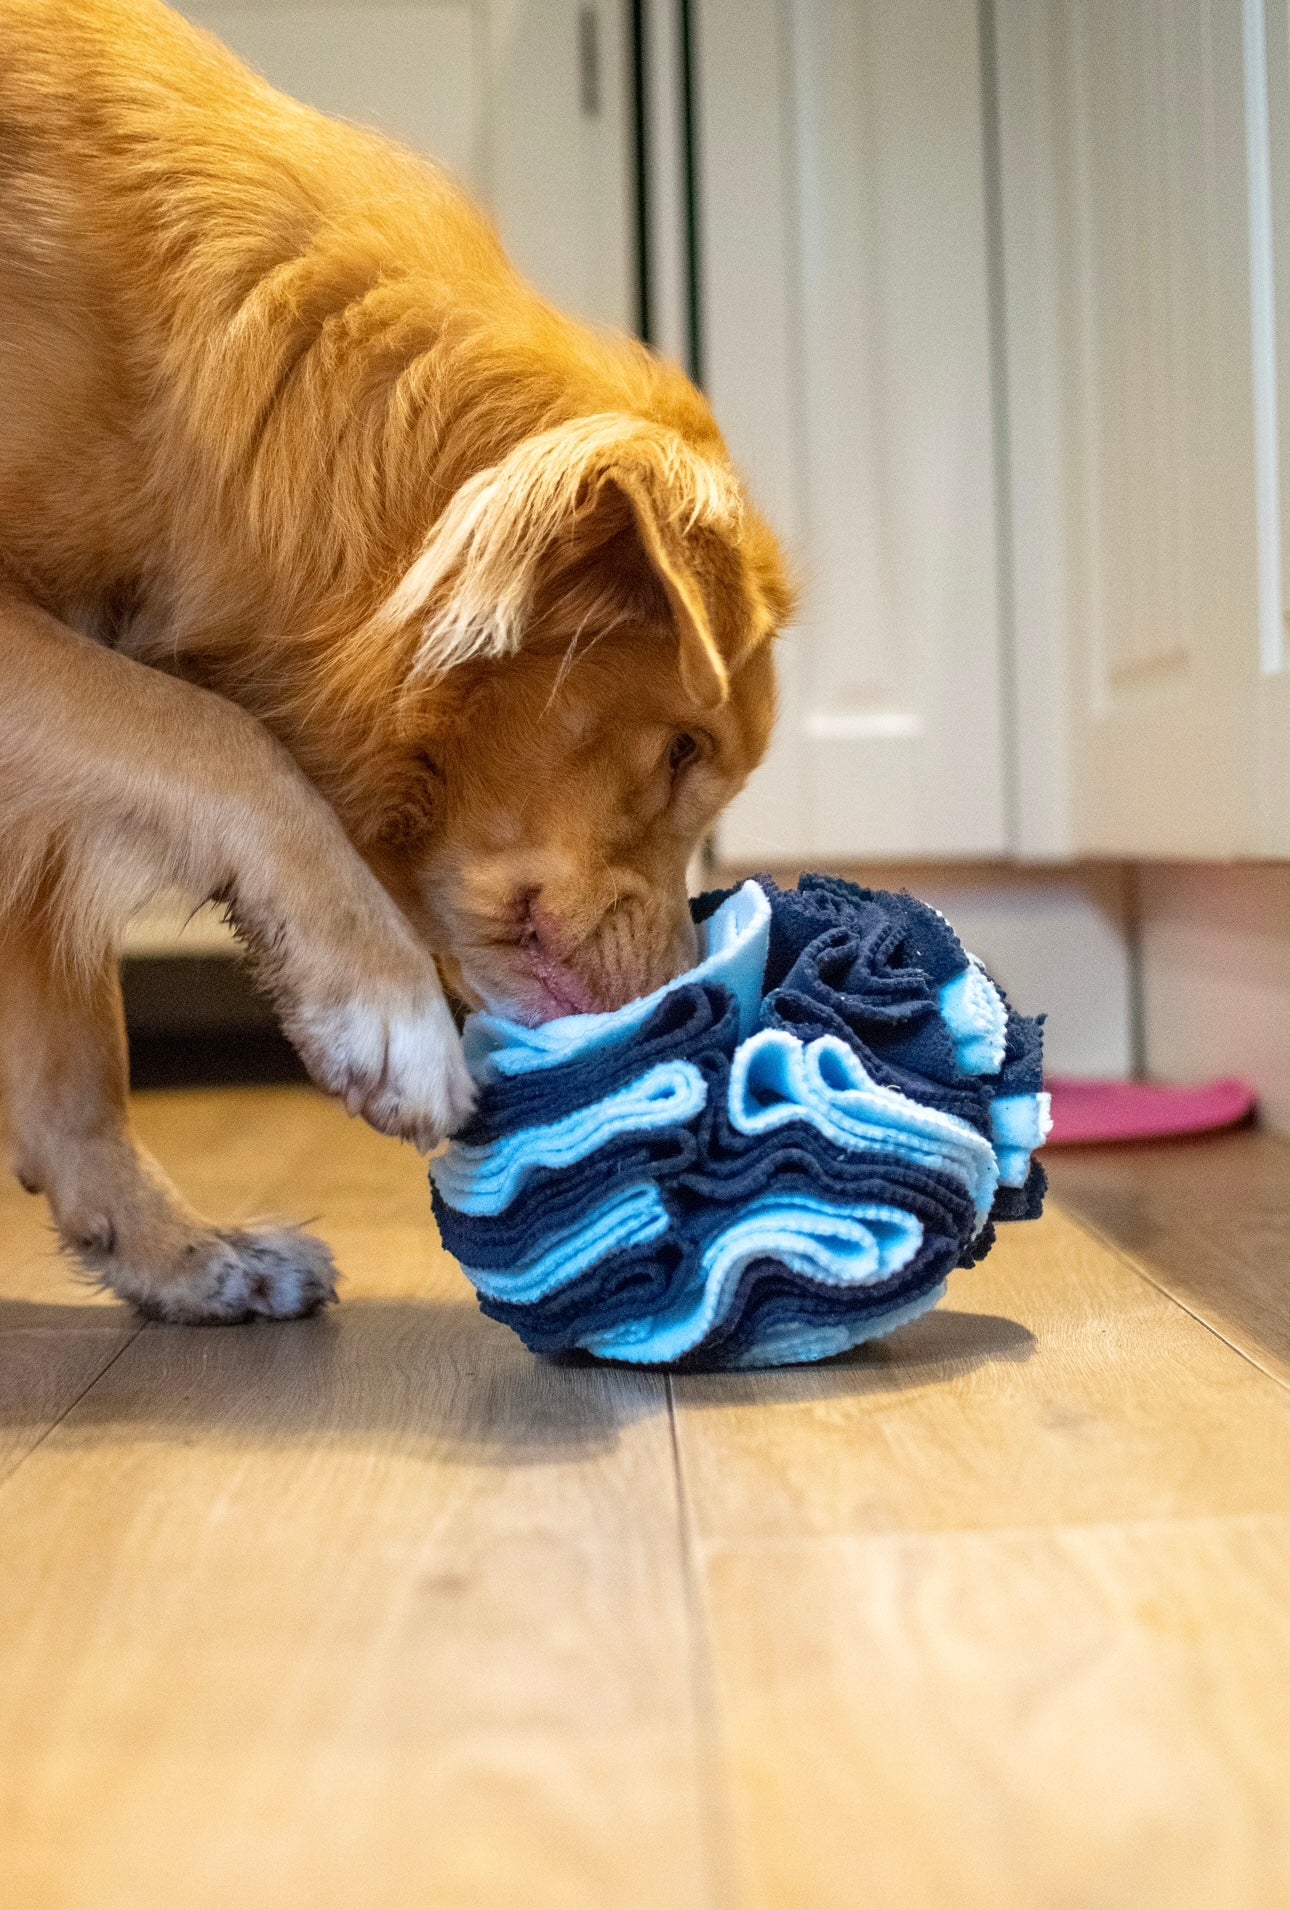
{"x": 342, "y": 580}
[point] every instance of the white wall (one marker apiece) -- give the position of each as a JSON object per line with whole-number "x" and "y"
{"x": 1215, "y": 967}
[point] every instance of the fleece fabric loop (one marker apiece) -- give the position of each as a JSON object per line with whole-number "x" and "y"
{"x": 484, "y": 1180}
{"x": 630, "y": 1218}
{"x": 555, "y": 1201}
{"x": 937, "y": 1203}
{"x": 974, "y": 1012}
{"x": 693, "y": 1021}
{"x": 1019, "y": 1124}
{"x": 775, "y": 1079}
{"x": 827, "y": 1245}
{"x": 769, "y": 1298}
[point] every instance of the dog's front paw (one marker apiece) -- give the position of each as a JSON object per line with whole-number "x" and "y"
{"x": 398, "y": 1064}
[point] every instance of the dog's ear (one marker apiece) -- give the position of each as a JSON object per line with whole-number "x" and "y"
{"x": 623, "y": 558}
{"x": 554, "y": 518}
{"x": 704, "y": 674}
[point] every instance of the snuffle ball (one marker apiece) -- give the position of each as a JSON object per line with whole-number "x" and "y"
{"x": 777, "y": 1156}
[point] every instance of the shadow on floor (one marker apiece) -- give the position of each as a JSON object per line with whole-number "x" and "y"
{"x": 942, "y": 1346}
{"x": 429, "y": 1376}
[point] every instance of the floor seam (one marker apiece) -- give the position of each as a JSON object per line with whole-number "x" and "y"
{"x": 702, "y": 1680}
{"x": 70, "y": 1408}
{"x": 1137, "y": 1266}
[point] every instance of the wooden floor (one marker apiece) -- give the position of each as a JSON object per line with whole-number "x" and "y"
{"x": 380, "y": 1611}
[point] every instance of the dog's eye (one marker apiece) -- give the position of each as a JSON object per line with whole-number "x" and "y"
{"x": 684, "y": 750}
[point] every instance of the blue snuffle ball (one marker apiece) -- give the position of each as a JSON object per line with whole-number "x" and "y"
{"x": 779, "y": 1155}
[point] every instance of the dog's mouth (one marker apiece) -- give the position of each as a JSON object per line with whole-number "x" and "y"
{"x": 522, "y": 983}
{"x": 527, "y": 984}
{"x": 523, "y": 963}
{"x": 548, "y": 990}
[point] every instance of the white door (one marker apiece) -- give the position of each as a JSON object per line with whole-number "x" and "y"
{"x": 847, "y": 351}
{"x": 1144, "y": 498}
{"x": 525, "y": 101}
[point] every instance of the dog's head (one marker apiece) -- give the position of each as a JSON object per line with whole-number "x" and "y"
{"x": 593, "y": 622}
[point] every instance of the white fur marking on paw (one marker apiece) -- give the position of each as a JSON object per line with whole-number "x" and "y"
{"x": 401, "y": 1069}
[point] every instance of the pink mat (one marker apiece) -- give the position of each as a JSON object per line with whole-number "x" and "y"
{"x": 1086, "y": 1111}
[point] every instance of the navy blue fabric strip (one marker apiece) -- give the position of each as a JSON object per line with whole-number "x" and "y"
{"x": 653, "y": 1278}
{"x": 917, "y": 940}
{"x": 704, "y": 1169}
{"x": 772, "y": 1302}
{"x": 1023, "y": 1055}
{"x": 1022, "y": 1203}
{"x": 793, "y": 1160}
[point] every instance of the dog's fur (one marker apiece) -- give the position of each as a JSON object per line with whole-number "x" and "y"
{"x": 341, "y": 579}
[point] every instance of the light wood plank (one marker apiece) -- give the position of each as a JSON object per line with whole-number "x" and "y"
{"x": 997, "y": 1608}
{"x": 44, "y": 1370}
{"x": 1209, "y": 1220}
{"x": 234, "y": 1150}
{"x": 378, "y": 1610}
{"x": 1009, "y": 1720}
{"x": 371, "y": 1610}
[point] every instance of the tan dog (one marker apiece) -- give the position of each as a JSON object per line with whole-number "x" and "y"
{"x": 343, "y": 580}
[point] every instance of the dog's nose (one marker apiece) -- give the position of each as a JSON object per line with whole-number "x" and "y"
{"x": 542, "y": 926}
{"x": 627, "y": 950}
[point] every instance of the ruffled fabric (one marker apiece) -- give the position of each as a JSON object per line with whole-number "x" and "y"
{"x": 780, "y": 1155}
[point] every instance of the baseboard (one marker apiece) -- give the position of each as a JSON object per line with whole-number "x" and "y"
{"x": 192, "y": 995}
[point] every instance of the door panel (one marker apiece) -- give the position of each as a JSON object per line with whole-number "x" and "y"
{"x": 848, "y": 353}
{"x": 1144, "y": 491}
{"x": 1164, "y": 507}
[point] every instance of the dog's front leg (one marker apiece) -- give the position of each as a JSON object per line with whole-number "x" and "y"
{"x": 115, "y": 781}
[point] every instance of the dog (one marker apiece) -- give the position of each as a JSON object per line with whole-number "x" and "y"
{"x": 344, "y": 581}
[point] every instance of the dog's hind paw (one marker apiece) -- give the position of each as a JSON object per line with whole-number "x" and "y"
{"x": 222, "y": 1276}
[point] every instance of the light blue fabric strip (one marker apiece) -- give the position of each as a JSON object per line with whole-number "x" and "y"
{"x": 790, "y": 1345}
{"x": 834, "y": 1246}
{"x": 1021, "y": 1120}
{"x": 1019, "y": 1123}
{"x": 973, "y": 1011}
{"x": 734, "y": 942}
{"x": 630, "y": 1219}
{"x": 775, "y": 1078}
{"x": 485, "y": 1179}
